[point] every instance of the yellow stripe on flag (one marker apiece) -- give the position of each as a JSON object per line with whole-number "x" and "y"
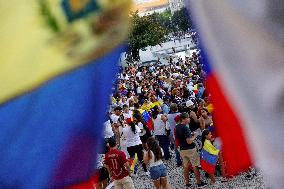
{"x": 32, "y": 53}
{"x": 134, "y": 162}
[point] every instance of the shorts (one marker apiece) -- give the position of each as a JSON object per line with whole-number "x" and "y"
{"x": 190, "y": 156}
{"x": 125, "y": 182}
{"x": 158, "y": 171}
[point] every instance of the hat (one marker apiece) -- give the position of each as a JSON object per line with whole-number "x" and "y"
{"x": 189, "y": 103}
{"x": 177, "y": 118}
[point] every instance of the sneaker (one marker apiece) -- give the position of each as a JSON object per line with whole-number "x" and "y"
{"x": 188, "y": 185}
{"x": 179, "y": 165}
{"x": 133, "y": 175}
{"x": 216, "y": 184}
{"x": 206, "y": 175}
{"x": 224, "y": 180}
{"x": 249, "y": 176}
{"x": 201, "y": 185}
{"x": 146, "y": 173}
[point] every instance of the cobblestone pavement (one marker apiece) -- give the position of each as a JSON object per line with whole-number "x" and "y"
{"x": 176, "y": 180}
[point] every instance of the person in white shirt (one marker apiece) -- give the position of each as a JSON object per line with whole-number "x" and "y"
{"x": 117, "y": 122}
{"x": 139, "y": 90}
{"x": 171, "y": 118}
{"x": 139, "y": 75}
{"x": 145, "y": 132}
{"x": 123, "y": 101}
{"x": 161, "y": 130}
{"x": 108, "y": 133}
{"x": 127, "y": 114}
{"x": 133, "y": 142}
{"x": 108, "y": 130}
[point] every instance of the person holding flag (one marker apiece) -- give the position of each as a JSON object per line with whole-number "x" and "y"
{"x": 133, "y": 143}
{"x": 209, "y": 155}
{"x": 145, "y": 131}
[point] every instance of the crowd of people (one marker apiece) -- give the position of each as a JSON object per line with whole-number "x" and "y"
{"x": 156, "y": 109}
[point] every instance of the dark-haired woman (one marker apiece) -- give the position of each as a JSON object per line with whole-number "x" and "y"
{"x": 161, "y": 130}
{"x": 210, "y": 154}
{"x": 205, "y": 120}
{"x": 158, "y": 170}
{"x": 133, "y": 143}
{"x": 145, "y": 132}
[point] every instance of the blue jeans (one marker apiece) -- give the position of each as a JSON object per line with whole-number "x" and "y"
{"x": 164, "y": 142}
{"x": 158, "y": 171}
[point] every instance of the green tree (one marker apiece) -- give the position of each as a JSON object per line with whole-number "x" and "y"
{"x": 181, "y": 20}
{"x": 146, "y": 31}
{"x": 165, "y": 19}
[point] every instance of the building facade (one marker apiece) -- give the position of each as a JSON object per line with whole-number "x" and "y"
{"x": 176, "y": 5}
{"x": 145, "y": 7}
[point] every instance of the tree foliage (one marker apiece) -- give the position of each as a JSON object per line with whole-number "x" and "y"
{"x": 181, "y": 20}
{"x": 153, "y": 29}
{"x": 165, "y": 19}
{"x": 146, "y": 31}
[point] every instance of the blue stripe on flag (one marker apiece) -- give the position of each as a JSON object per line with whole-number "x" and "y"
{"x": 146, "y": 116}
{"x": 209, "y": 158}
{"x": 204, "y": 60}
{"x": 49, "y": 137}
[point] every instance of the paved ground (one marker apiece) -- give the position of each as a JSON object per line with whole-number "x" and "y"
{"x": 150, "y": 52}
{"x": 176, "y": 180}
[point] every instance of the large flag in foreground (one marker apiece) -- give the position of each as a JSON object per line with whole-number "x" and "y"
{"x": 243, "y": 42}
{"x": 53, "y": 91}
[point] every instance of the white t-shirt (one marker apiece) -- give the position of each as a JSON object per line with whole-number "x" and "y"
{"x": 125, "y": 78}
{"x": 160, "y": 126}
{"x": 100, "y": 160}
{"x": 127, "y": 115}
{"x": 139, "y": 75}
{"x": 114, "y": 118}
{"x": 171, "y": 120}
{"x": 175, "y": 74}
{"x": 138, "y": 90}
{"x": 108, "y": 129}
{"x": 131, "y": 138}
{"x": 143, "y": 131}
{"x": 120, "y": 103}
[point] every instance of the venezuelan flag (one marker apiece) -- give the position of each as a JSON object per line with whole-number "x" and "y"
{"x": 148, "y": 119}
{"x": 235, "y": 148}
{"x": 133, "y": 163}
{"x": 58, "y": 60}
{"x": 209, "y": 157}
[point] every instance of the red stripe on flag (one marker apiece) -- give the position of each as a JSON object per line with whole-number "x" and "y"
{"x": 207, "y": 167}
{"x": 89, "y": 184}
{"x": 150, "y": 125}
{"x": 229, "y": 129}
